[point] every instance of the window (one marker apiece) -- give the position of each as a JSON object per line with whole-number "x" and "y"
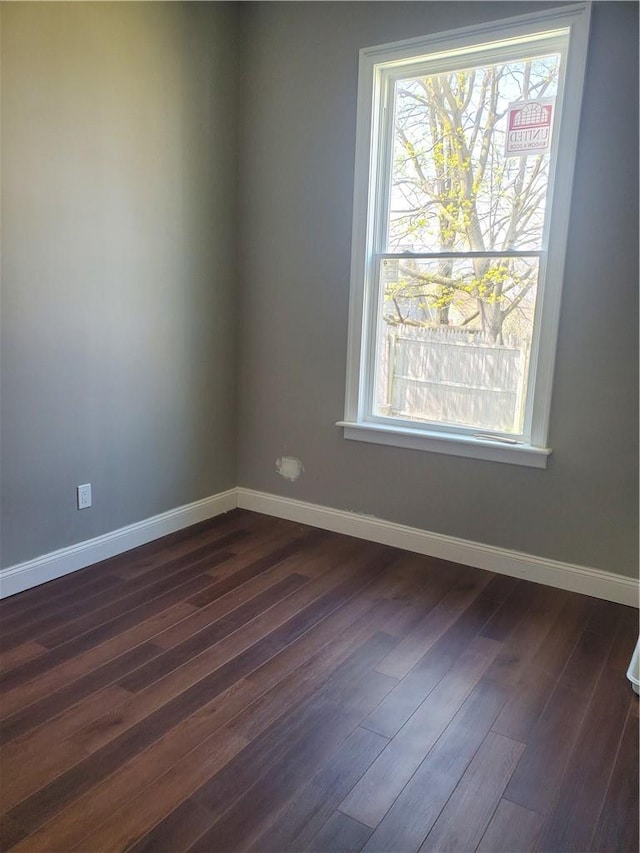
{"x": 464, "y": 161}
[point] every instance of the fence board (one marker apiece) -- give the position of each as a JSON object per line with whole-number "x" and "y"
{"x": 451, "y": 375}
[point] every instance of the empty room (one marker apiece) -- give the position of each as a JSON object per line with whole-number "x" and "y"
{"x": 319, "y": 427}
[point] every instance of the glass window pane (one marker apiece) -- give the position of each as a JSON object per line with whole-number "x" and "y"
{"x": 453, "y": 341}
{"x": 452, "y": 186}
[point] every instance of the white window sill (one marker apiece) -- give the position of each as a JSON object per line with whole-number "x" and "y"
{"x": 449, "y": 443}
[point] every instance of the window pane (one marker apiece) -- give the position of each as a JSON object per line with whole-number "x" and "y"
{"x": 453, "y": 340}
{"x": 452, "y": 186}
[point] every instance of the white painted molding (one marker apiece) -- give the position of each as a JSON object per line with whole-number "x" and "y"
{"x": 594, "y": 582}
{"x": 58, "y": 563}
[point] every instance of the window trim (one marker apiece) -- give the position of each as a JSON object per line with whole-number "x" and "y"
{"x": 463, "y": 442}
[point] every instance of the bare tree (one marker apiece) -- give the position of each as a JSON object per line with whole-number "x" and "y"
{"x": 455, "y": 190}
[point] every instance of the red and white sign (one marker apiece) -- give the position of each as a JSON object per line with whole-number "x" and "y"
{"x": 529, "y": 127}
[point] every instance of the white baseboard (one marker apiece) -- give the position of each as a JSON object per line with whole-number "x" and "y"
{"x": 594, "y": 582}
{"x": 57, "y": 563}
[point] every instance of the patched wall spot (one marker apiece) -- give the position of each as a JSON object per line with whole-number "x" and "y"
{"x": 289, "y": 467}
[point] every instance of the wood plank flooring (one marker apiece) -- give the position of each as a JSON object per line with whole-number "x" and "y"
{"x": 250, "y": 684}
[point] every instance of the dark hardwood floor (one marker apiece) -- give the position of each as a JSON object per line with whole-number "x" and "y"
{"x": 253, "y": 684}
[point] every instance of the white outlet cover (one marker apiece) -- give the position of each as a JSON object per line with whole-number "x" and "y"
{"x": 84, "y": 496}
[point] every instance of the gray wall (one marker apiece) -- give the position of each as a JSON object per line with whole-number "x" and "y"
{"x": 120, "y": 288}
{"x": 119, "y": 147}
{"x": 297, "y": 166}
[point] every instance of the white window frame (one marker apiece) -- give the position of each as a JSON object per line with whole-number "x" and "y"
{"x": 377, "y": 65}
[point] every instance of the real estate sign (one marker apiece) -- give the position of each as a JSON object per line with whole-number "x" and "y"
{"x": 529, "y": 127}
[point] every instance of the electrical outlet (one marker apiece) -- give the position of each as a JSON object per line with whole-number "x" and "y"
{"x": 84, "y": 496}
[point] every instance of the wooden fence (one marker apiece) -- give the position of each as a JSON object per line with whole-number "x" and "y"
{"x": 451, "y": 375}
